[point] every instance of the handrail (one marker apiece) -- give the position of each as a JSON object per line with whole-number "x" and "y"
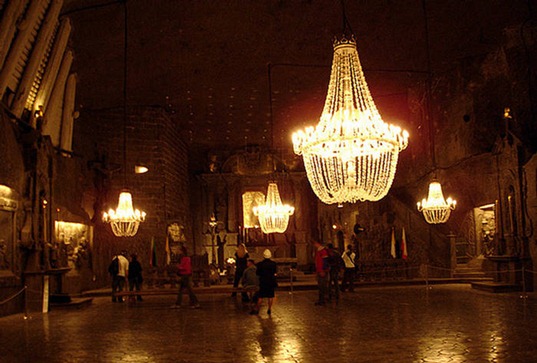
{"x": 23, "y": 290}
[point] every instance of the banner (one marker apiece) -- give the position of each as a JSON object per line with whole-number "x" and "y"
{"x": 403, "y": 245}
{"x": 393, "y": 252}
{"x": 153, "y": 254}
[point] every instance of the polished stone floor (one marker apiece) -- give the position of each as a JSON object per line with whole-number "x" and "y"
{"x": 447, "y": 323}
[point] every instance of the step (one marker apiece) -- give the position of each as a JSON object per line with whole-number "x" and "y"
{"x": 75, "y": 303}
{"x": 476, "y": 274}
{"x": 495, "y": 287}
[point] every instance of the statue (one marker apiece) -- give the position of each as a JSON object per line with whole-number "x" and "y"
{"x": 4, "y": 264}
{"x": 221, "y": 237}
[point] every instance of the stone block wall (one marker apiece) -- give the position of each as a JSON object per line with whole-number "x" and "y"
{"x": 153, "y": 140}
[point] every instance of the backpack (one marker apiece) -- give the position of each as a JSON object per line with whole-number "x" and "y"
{"x": 334, "y": 260}
{"x": 113, "y": 269}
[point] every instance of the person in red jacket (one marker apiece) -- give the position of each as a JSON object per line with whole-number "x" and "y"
{"x": 185, "y": 273}
{"x": 322, "y": 268}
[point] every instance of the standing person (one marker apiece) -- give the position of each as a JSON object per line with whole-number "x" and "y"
{"x": 185, "y": 274}
{"x": 135, "y": 275}
{"x": 348, "y": 274}
{"x": 322, "y": 271}
{"x": 119, "y": 269}
{"x": 250, "y": 284}
{"x": 336, "y": 263}
{"x": 266, "y": 270}
{"x": 241, "y": 258}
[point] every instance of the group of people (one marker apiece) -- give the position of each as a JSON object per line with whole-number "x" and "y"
{"x": 328, "y": 264}
{"x": 123, "y": 270}
{"x": 258, "y": 280}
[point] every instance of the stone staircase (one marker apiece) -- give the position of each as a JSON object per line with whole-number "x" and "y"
{"x": 471, "y": 271}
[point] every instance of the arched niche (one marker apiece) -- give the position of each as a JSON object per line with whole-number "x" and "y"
{"x": 9, "y": 204}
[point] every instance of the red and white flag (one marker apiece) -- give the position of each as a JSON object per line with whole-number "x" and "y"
{"x": 403, "y": 245}
{"x": 168, "y": 252}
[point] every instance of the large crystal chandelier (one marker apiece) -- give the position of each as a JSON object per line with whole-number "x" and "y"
{"x": 351, "y": 155}
{"x": 273, "y": 215}
{"x": 125, "y": 220}
{"x": 435, "y": 208}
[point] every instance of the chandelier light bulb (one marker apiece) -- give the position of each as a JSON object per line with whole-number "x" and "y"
{"x": 273, "y": 215}
{"x": 125, "y": 220}
{"x": 435, "y": 208}
{"x": 351, "y": 155}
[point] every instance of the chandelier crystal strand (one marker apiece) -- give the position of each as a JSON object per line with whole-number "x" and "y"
{"x": 125, "y": 220}
{"x": 435, "y": 208}
{"x": 351, "y": 155}
{"x": 273, "y": 215}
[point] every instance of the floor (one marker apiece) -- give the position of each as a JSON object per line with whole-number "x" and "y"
{"x": 442, "y": 323}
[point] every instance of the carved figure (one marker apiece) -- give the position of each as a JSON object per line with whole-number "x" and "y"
{"x": 221, "y": 239}
{"x": 4, "y": 265}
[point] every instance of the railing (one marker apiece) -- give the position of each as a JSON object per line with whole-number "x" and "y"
{"x": 24, "y": 291}
{"x": 379, "y": 270}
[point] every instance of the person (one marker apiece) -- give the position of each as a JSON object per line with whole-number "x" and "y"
{"x": 185, "y": 273}
{"x": 348, "y": 274}
{"x": 335, "y": 264}
{"x": 250, "y": 284}
{"x": 266, "y": 270}
{"x": 241, "y": 260}
{"x": 135, "y": 275}
{"x": 322, "y": 271}
{"x": 119, "y": 270}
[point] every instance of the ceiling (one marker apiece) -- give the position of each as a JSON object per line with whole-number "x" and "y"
{"x": 207, "y": 61}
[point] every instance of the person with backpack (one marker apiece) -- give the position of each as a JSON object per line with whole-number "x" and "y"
{"x": 119, "y": 270}
{"x": 350, "y": 269}
{"x": 335, "y": 263}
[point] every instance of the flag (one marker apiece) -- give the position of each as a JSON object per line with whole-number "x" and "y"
{"x": 153, "y": 254}
{"x": 168, "y": 254}
{"x": 403, "y": 245}
{"x": 393, "y": 253}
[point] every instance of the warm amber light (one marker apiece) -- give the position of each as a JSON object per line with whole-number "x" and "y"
{"x": 351, "y": 155}
{"x": 273, "y": 215}
{"x": 435, "y": 208}
{"x": 141, "y": 169}
{"x": 125, "y": 220}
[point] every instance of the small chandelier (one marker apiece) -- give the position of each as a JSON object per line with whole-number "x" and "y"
{"x": 435, "y": 208}
{"x": 273, "y": 215}
{"x": 351, "y": 155}
{"x": 125, "y": 220}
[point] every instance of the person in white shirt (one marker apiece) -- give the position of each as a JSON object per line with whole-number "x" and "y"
{"x": 350, "y": 268}
{"x": 119, "y": 272}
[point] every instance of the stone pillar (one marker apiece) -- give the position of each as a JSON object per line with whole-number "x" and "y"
{"x": 38, "y": 52}
{"x": 53, "y": 113}
{"x": 53, "y": 65}
{"x": 25, "y": 29}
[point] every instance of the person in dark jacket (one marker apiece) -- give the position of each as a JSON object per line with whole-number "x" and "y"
{"x": 241, "y": 258}
{"x": 135, "y": 275}
{"x": 266, "y": 270}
